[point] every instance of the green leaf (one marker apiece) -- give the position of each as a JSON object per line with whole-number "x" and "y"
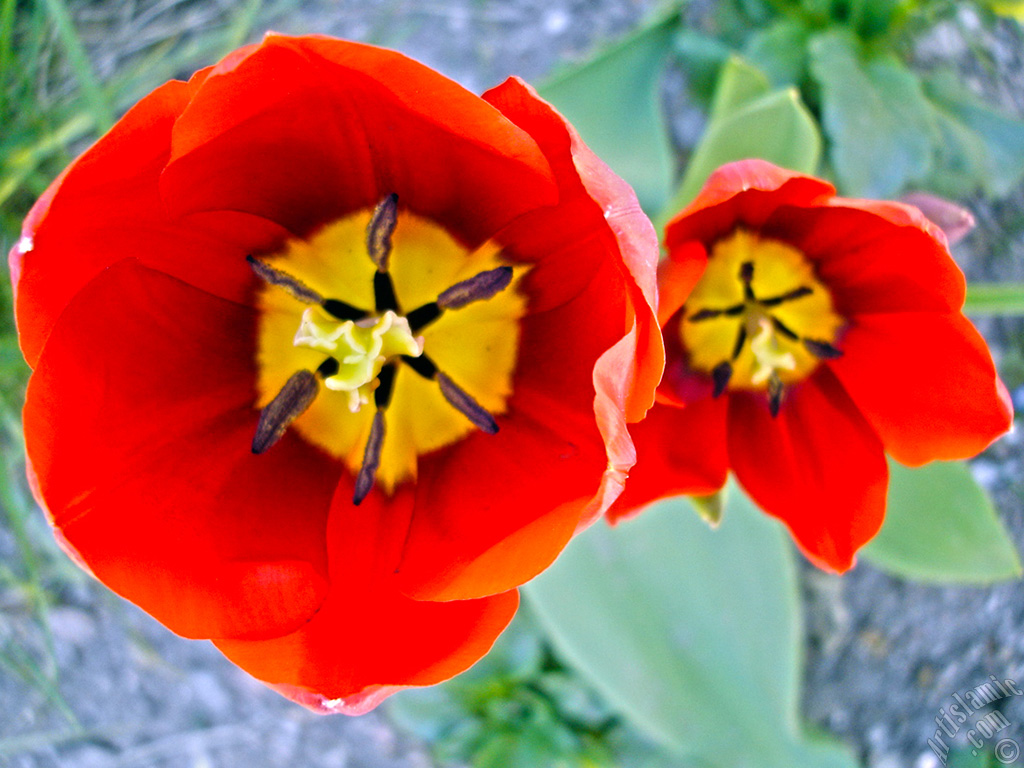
{"x": 693, "y": 634}
{"x": 878, "y": 121}
{"x": 993, "y": 141}
{"x": 614, "y": 101}
{"x": 780, "y": 51}
{"x": 940, "y": 526}
{"x": 739, "y": 83}
{"x": 995, "y": 299}
{"x": 775, "y": 127}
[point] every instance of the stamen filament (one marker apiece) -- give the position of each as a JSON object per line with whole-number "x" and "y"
{"x": 273, "y": 276}
{"x": 379, "y": 231}
{"x": 295, "y": 397}
{"x": 477, "y": 288}
{"x": 775, "y": 388}
{"x": 710, "y": 314}
{"x": 796, "y": 293}
{"x": 384, "y": 293}
{"x": 822, "y": 349}
{"x": 371, "y": 459}
{"x": 466, "y": 405}
{"x": 720, "y": 376}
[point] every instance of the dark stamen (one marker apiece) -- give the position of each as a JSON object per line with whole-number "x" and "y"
{"x": 466, "y": 405}
{"x": 774, "y": 394}
{"x": 294, "y": 398}
{"x": 796, "y": 293}
{"x": 720, "y": 376}
{"x": 384, "y": 292}
{"x": 423, "y": 316}
{"x": 477, "y": 288}
{"x": 274, "y": 276}
{"x": 741, "y": 339}
{"x": 385, "y": 386}
{"x": 708, "y": 314}
{"x": 343, "y": 311}
{"x": 784, "y": 329}
{"x": 423, "y": 365}
{"x": 327, "y": 368}
{"x": 371, "y": 459}
{"x": 822, "y": 349}
{"x": 747, "y": 277}
{"x": 378, "y": 232}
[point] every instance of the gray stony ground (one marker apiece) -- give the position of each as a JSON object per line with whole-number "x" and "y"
{"x": 884, "y": 655}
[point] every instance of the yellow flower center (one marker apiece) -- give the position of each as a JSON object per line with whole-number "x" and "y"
{"x": 759, "y": 318}
{"x": 400, "y": 324}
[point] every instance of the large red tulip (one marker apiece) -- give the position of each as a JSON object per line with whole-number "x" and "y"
{"x": 330, "y": 355}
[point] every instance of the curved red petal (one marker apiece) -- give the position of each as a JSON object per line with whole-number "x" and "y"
{"x": 369, "y": 640}
{"x": 679, "y": 451}
{"x": 494, "y": 511}
{"x": 926, "y": 382}
{"x": 138, "y": 422}
{"x": 304, "y": 130}
{"x": 819, "y": 467}
{"x": 743, "y": 193}
{"x": 678, "y": 275}
{"x": 875, "y": 256}
{"x": 105, "y": 208}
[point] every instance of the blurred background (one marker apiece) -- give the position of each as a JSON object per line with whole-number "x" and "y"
{"x": 88, "y": 681}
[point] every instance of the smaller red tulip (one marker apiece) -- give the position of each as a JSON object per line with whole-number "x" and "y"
{"x": 807, "y": 336}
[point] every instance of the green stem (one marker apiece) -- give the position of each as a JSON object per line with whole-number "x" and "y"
{"x": 995, "y": 299}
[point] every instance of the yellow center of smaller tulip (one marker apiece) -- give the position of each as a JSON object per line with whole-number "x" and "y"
{"x": 759, "y": 318}
{"x": 383, "y": 323}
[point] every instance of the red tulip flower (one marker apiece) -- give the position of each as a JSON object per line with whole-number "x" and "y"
{"x": 329, "y": 356}
{"x": 808, "y": 335}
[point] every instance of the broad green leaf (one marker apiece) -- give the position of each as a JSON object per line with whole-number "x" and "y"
{"x": 739, "y": 83}
{"x": 993, "y": 140}
{"x": 995, "y": 299}
{"x": 614, "y": 101}
{"x": 940, "y": 526}
{"x": 776, "y": 127}
{"x": 877, "y": 119}
{"x": 691, "y": 633}
{"x": 780, "y": 51}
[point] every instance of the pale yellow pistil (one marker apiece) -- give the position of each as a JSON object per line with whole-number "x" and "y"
{"x": 360, "y": 347}
{"x": 383, "y": 338}
{"x": 759, "y": 318}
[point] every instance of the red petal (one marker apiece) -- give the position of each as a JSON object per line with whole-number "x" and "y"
{"x": 927, "y": 384}
{"x": 611, "y": 224}
{"x": 744, "y": 193}
{"x": 819, "y": 467}
{"x": 303, "y": 130}
{"x": 105, "y": 208}
{"x": 875, "y": 256}
{"x": 678, "y": 275}
{"x": 138, "y": 423}
{"x": 494, "y": 511}
{"x": 368, "y": 640}
{"x": 679, "y": 451}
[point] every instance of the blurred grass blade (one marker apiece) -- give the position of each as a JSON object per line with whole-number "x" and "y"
{"x": 614, "y": 101}
{"x": 99, "y": 104}
{"x": 940, "y": 526}
{"x": 692, "y": 634}
{"x": 995, "y": 299}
